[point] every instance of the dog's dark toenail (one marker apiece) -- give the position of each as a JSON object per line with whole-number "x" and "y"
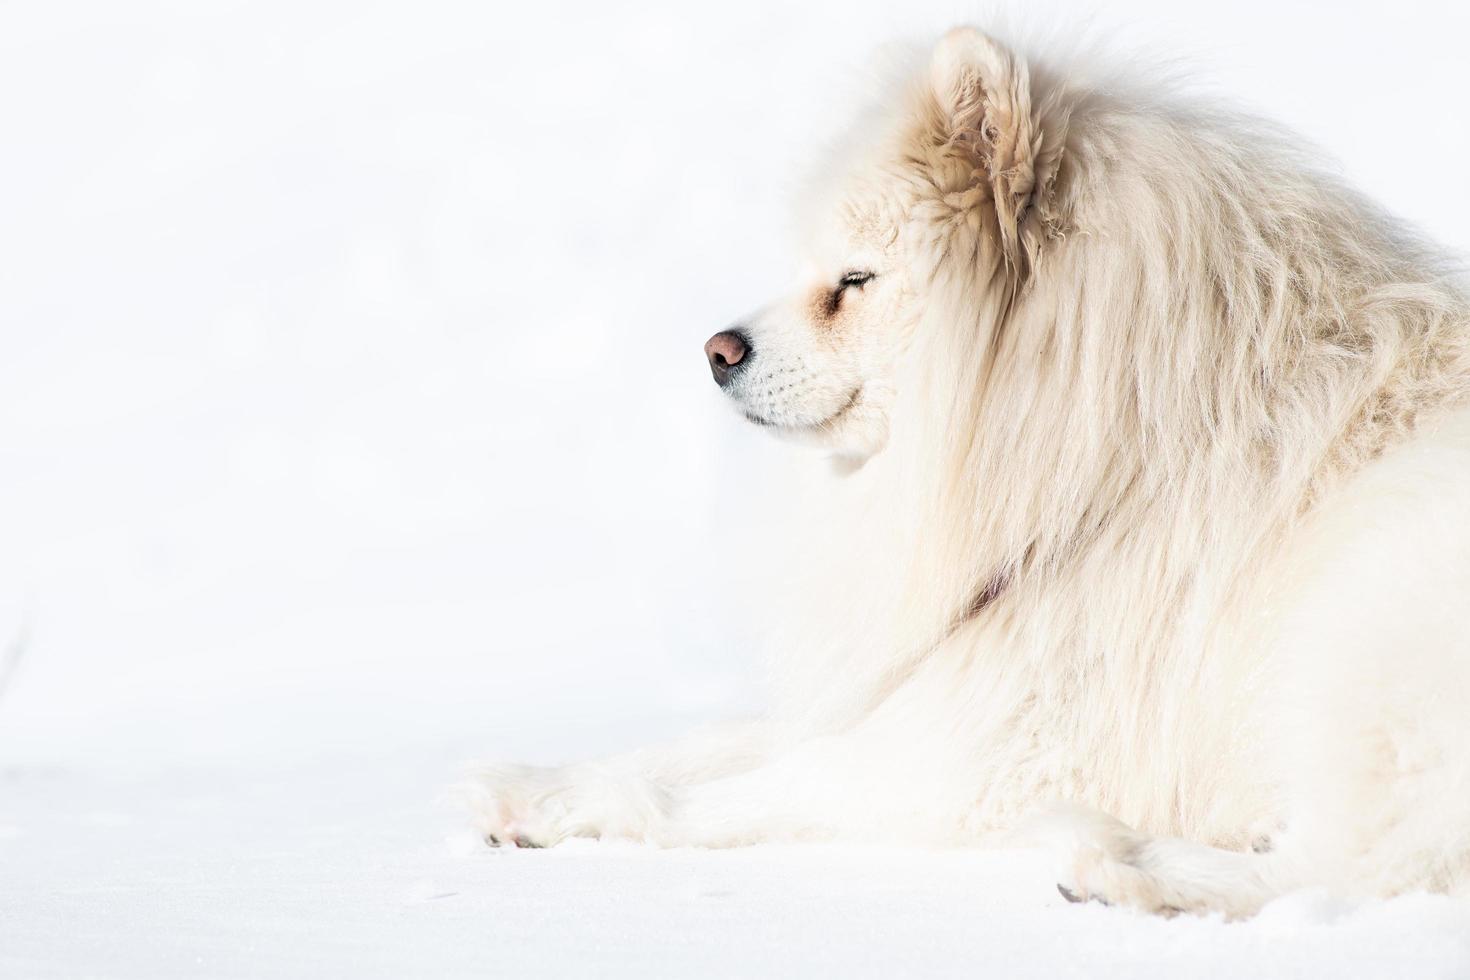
{"x": 526, "y": 842}
{"x": 1068, "y": 894}
{"x": 492, "y": 840}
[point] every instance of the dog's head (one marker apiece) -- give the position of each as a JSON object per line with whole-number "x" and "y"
{"x": 964, "y": 181}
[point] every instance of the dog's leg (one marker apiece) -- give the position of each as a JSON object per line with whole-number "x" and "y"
{"x": 1367, "y": 720}
{"x": 621, "y": 796}
{"x": 1374, "y": 706}
{"x": 903, "y": 772}
{"x": 1104, "y": 860}
{"x": 840, "y": 786}
{"x": 908, "y": 770}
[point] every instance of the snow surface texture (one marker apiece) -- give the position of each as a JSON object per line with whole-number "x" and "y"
{"x": 354, "y": 426}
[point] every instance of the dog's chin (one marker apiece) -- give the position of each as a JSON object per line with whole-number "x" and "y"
{"x": 843, "y": 433}
{"x": 828, "y": 424}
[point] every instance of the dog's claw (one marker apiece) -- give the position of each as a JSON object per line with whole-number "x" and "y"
{"x": 526, "y": 842}
{"x": 1077, "y": 899}
{"x": 492, "y": 841}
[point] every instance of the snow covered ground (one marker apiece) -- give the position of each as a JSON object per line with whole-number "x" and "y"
{"x": 353, "y": 426}
{"x": 343, "y": 868}
{"x": 333, "y": 870}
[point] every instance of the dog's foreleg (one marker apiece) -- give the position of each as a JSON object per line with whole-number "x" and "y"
{"x": 880, "y": 780}
{"x": 625, "y": 796}
{"x": 1104, "y": 860}
{"x": 816, "y": 791}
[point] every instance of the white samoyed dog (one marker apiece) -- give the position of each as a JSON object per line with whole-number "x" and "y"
{"x": 1150, "y": 537}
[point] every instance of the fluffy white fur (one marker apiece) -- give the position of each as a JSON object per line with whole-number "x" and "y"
{"x": 1150, "y": 533}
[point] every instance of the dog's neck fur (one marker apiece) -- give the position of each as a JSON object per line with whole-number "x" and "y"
{"x": 1095, "y": 456}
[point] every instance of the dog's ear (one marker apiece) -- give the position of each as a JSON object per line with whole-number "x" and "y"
{"x": 987, "y": 125}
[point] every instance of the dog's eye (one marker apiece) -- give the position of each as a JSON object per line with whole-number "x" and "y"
{"x": 850, "y": 280}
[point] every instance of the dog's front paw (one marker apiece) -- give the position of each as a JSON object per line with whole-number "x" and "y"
{"x": 1106, "y": 861}
{"x": 531, "y": 806}
{"x": 1115, "y": 877}
{"x": 1103, "y": 860}
{"x": 523, "y": 806}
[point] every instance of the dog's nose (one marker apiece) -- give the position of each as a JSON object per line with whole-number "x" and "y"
{"x": 726, "y": 350}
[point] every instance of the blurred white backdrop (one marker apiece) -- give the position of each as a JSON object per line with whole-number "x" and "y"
{"x": 352, "y": 389}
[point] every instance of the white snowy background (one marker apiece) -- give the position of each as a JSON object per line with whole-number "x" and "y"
{"x": 354, "y": 425}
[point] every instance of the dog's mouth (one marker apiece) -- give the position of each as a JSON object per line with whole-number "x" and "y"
{"x": 818, "y": 426}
